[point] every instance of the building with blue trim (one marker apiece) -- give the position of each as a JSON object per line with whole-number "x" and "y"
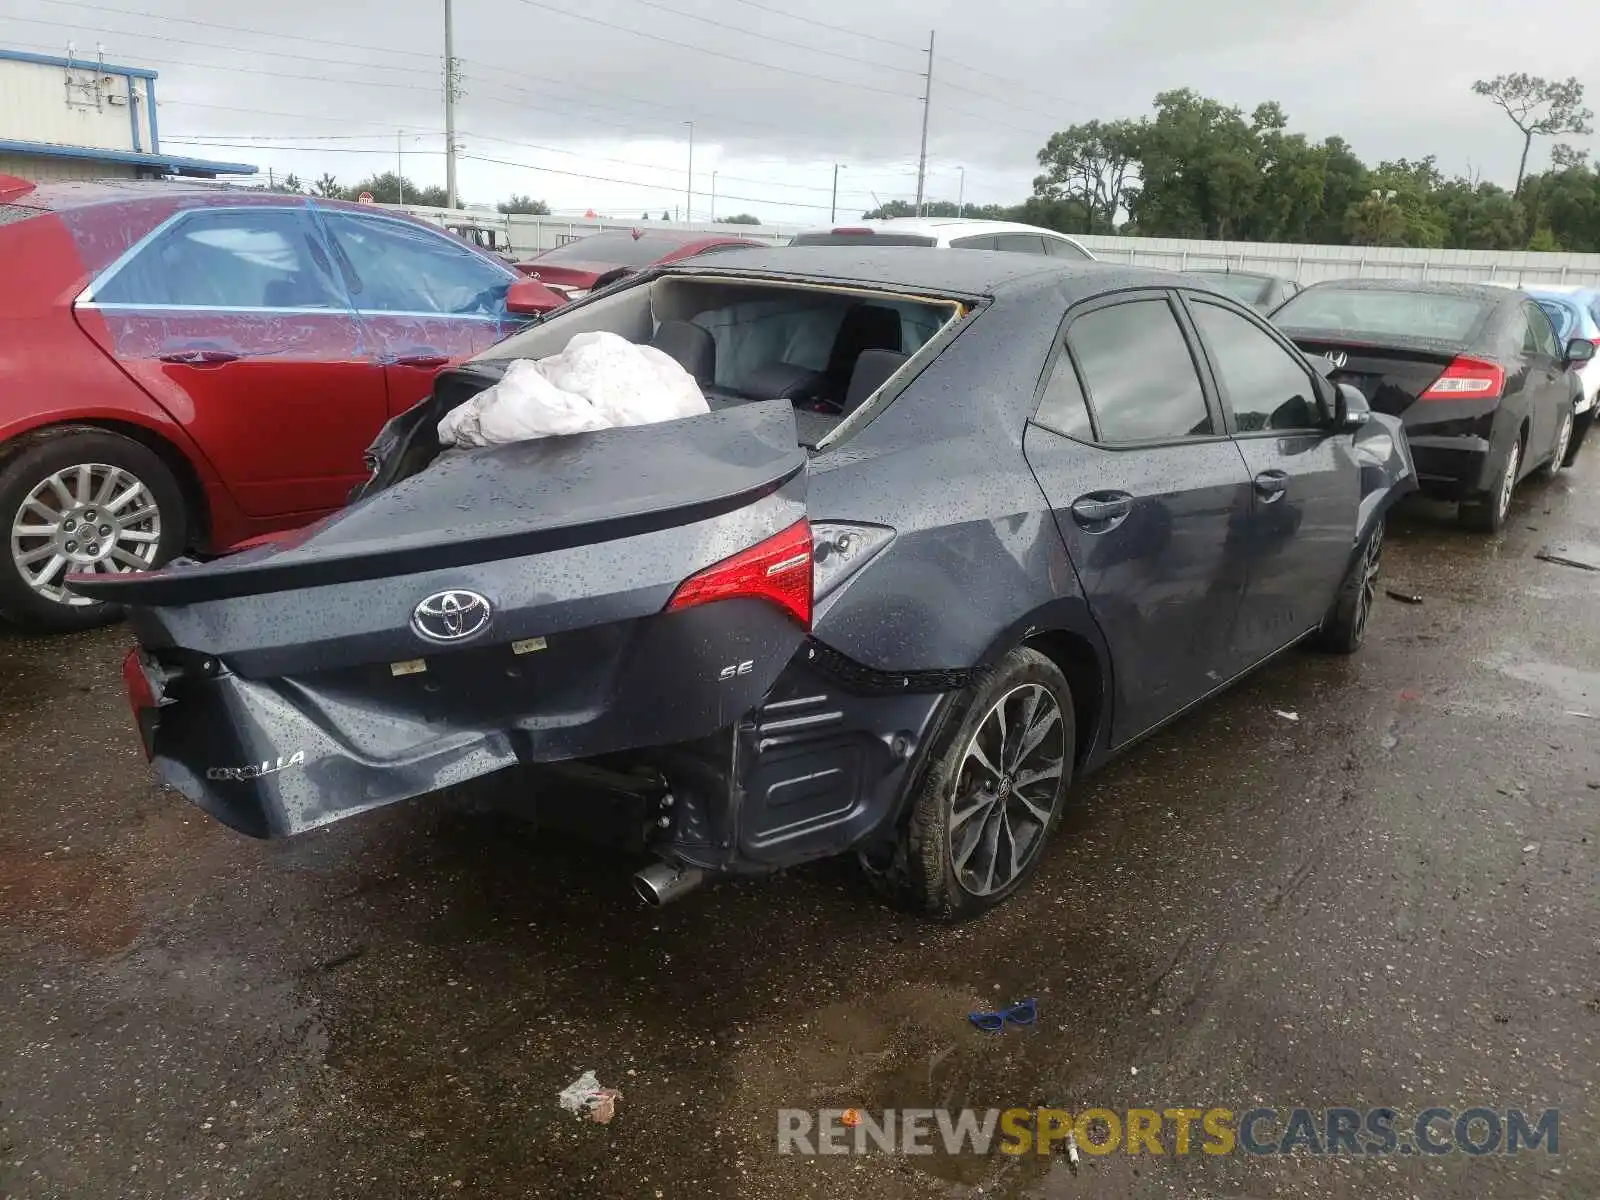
{"x": 84, "y": 118}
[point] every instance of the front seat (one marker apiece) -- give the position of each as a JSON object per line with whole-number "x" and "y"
{"x": 865, "y": 327}
{"x": 872, "y": 371}
{"x": 692, "y": 346}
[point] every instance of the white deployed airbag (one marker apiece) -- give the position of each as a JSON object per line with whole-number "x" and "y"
{"x": 599, "y": 381}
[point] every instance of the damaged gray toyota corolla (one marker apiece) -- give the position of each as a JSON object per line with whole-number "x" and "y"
{"x": 958, "y": 527}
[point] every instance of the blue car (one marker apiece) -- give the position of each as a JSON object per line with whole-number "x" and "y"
{"x": 1575, "y": 312}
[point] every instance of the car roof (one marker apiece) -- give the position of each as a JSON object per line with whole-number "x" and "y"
{"x": 1560, "y": 291}
{"x": 939, "y": 227}
{"x": 1262, "y": 275}
{"x": 923, "y": 268}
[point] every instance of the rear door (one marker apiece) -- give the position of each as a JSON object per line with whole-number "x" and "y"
{"x": 235, "y": 321}
{"x": 1152, "y": 498}
{"x": 1306, "y": 485}
{"x": 1550, "y": 393}
{"x": 425, "y": 300}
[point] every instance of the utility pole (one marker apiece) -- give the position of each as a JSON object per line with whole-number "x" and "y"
{"x": 688, "y": 187}
{"x": 450, "y": 109}
{"x": 833, "y": 205}
{"x": 927, "y": 97}
{"x": 961, "y": 194}
{"x": 399, "y": 164}
{"x": 713, "y": 196}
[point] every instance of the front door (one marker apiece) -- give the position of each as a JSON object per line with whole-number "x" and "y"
{"x": 1152, "y": 499}
{"x": 1549, "y": 393}
{"x": 425, "y": 299}
{"x": 1305, "y": 485}
{"x": 234, "y": 321}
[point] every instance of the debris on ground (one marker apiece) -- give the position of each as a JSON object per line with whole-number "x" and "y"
{"x": 1585, "y": 558}
{"x": 1287, "y": 716}
{"x": 585, "y": 1097}
{"x": 1072, "y": 1151}
{"x": 1023, "y": 1012}
{"x": 339, "y": 960}
{"x": 1403, "y": 597}
{"x": 1588, "y": 716}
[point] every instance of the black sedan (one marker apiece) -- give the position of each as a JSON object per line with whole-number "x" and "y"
{"x": 957, "y": 528}
{"x": 1485, "y": 390}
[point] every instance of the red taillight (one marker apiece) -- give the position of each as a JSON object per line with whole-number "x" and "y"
{"x": 141, "y": 698}
{"x": 853, "y": 230}
{"x": 1467, "y": 379}
{"x": 778, "y": 570}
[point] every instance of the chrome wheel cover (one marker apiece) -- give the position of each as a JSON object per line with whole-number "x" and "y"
{"x": 92, "y": 518}
{"x": 1371, "y": 561}
{"x": 1006, "y": 790}
{"x": 1503, "y": 500}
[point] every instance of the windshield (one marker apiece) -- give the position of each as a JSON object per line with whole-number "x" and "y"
{"x": 1364, "y": 312}
{"x": 618, "y": 249}
{"x": 1251, "y": 289}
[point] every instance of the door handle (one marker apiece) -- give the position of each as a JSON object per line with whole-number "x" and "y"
{"x": 421, "y": 359}
{"x": 1099, "y": 510}
{"x": 1271, "y": 485}
{"x": 200, "y": 358}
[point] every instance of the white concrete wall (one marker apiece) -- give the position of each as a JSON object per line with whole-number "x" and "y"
{"x": 81, "y": 106}
{"x": 1308, "y": 264}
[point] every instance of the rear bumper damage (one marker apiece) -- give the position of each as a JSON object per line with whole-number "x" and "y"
{"x": 812, "y": 767}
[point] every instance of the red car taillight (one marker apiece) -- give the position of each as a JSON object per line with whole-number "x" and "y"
{"x": 1467, "y": 379}
{"x": 141, "y": 698}
{"x": 777, "y": 570}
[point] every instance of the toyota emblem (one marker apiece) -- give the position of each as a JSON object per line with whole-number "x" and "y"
{"x": 450, "y": 616}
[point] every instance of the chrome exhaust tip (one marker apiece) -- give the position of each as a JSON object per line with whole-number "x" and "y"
{"x": 663, "y": 882}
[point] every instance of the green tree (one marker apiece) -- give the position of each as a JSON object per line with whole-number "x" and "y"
{"x": 390, "y": 188}
{"x": 1199, "y": 169}
{"x": 741, "y": 219}
{"x": 1538, "y": 108}
{"x": 526, "y": 205}
{"x": 1091, "y": 166}
{"x": 328, "y": 187}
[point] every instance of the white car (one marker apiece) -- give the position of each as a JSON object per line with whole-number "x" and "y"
{"x": 960, "y": 233}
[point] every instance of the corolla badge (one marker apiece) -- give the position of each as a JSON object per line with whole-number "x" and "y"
{"x": 1338, "y": 358}
{"x": 450, "y": 616}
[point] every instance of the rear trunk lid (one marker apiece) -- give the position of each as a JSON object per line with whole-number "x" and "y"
{"x": 1391, "y": 376}
{"x": 503, "y": 605}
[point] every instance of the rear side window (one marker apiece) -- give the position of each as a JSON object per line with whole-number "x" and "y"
{"x": 1541, "y": 334}
{"x": 1139, "y": 375}
{"x": 985, "y": 242}
{"x": 405, "y": 268}
{"x": 1062, "y": 407}
{"x": 1061, "y": 248}
{"x": 228, "y": 258}
{"x": 1265, "y": 386}
{"x": 1019, "y": 243}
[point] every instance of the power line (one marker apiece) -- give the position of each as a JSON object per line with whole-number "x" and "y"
{"x": 293, "y": 37}
{"x": 778, "y": 12}
{"x": 263, "y": 112}
{"x": 866, "y": 62}
{"x": 386, "y": 151}
{"x": 748, "y": 62}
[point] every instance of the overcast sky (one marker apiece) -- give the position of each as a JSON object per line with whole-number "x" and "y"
{"x": 560, "y": 90}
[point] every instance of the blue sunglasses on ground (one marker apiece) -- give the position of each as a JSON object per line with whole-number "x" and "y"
{"x": 1023, "y": 1012}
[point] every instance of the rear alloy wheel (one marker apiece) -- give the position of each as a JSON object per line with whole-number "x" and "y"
{"x": 1489, "y": 514}
{"x": 85, "y": 501}
{"x": 1345, "y": 627}
{"x": 1558, "y": 455}
{"x": 993, "y": 792}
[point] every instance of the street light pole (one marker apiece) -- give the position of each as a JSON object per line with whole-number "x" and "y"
{"x": 688, "y": 187}
{"x": 400, "y": 164}
{"x": 833, "y": 208}
{"x": 713, "y": 197}
{"x": 961, "y": 195}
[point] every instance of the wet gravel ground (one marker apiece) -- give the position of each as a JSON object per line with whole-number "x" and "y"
{"x": 1393, "y": 900}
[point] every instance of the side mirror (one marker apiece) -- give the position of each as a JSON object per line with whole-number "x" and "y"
{"x": 1350, "y": 409}
{"x": 531, "y": 298}
{"x": 1580, "y": 350}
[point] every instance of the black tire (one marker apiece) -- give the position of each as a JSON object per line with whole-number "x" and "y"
{"x": 1487, "y": 514}
{"x": 925, "y": 877}
{"x": 30, "y": 465}
{"x": 1345, "y": 627}
{"x": 1560, "y": 451}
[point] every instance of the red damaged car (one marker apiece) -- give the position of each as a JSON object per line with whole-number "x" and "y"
{"x": 581, "y": 266}
{"x": 185, "y": 366}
